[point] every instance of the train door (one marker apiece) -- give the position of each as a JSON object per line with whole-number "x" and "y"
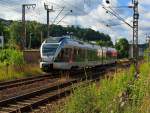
{"x": 102, "y": 56}
{"x": 71, "y": 52}
{"x": 60, "y": 56}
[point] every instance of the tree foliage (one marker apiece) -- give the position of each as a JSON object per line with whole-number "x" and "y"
{"x": 86, "y": 34}
{"x": 16, "y": 30}
{"x": 34, "y": 30}
{"x": 4, "y": 30}
{"x": 1, "y": 28}
{"x": 11, "y": 56}
{"x": 122, "y": 47}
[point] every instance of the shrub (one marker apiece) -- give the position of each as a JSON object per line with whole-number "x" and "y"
{"x": 111, "y": 91}
{"x": 140, "y": 90}
{"x": 9, "y": 72}
{"x": 83, "y": 100}
{"x": 11, "y": 57}
{"x": 12, "y": 65}
{"x": 103, "y": 99}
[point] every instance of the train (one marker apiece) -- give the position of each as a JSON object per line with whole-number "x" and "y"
{"x": 66, "y": 53}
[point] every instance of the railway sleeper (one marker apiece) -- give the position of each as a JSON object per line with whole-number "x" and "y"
{"x": 35, "y": 99}
{"x": 28, "y": 102}
{"x": 34, "y": 104}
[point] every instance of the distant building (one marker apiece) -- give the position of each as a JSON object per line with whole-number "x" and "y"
{"x": 142, "y": 48}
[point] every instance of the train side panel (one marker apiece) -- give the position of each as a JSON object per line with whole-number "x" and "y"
{"x": 73, "y": 54}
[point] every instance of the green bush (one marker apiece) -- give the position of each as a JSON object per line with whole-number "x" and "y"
{"x": 11, "y": 57}
{"x": 139, "y": 91}
{"x": 111, "y": 91}
{"x": 83, "y": 100}
{"x": 12, "y": 65}
{"x": 120, "y": 94}
{"x": 103, "y": 99}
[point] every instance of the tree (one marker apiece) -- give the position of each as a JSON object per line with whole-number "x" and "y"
{"x": 34, "y": 30}
{"x": 105, "y": 43}
{"x": 57, "y": 30}
{"x": 15, "y": 30}
{"x": 1, "y": 28}
{"x": 32, "y": 27}
{"x": 4, "y": 30}
{"x": 122, "y": 47}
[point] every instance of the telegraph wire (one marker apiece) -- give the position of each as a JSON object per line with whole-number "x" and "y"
{"x": 63, "y": 17}
{"x": 77, "y": 8}
{"x": 120, "y": 18}
{"x": 58, "y": 15}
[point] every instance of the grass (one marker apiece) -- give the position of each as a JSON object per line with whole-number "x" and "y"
{"x": 140, "y": 91}
{"x": 111, "y": 91}
{"x": 13, "y": 72}
{"x": 120, "y": 94}
{"x": 12, "y": 65}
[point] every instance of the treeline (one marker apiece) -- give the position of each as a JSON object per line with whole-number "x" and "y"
{"x": 13, "y": 34}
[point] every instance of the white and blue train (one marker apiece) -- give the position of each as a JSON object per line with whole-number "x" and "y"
{"x": 64, "y": 53}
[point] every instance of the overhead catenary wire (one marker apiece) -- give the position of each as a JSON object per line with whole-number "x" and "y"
{"x": 120, "y": 18}
{"x": 116, "y": 13}
{"x": 60, "y": 6}
{"x": 58, "y": 15}
{"x": 77, "y": 8}
{"x": 63, "y": 17}
{"x": 40, "y": 12}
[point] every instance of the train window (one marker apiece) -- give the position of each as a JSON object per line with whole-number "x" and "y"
{"x": 82, "y": 55}
{"x": 65, "y": 55}
{"x": 79, "y": 55}
{"x": 89, "y": 55}
{"x": 93, "y": 55}
{"x": 59, "y": 58}
{"x": 75, "y": 54}
{"x": 49, "y": 49}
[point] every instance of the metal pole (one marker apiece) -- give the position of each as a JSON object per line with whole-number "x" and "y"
{"x": 24, "y": 26}
{"x": 148, "y": 50}
{"x": 48, "y": 23}
{"x": 135, "y": 35}
{"x": 135, "y": 31}
{"x": 24, "y": 22}
{"x": 30, "y": 41}
{"x": 48, "y": 11}
{"x": 41, "y": 37}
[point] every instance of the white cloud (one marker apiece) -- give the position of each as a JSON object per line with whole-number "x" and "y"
{"x": 145, "y": 2}
{"x": 91, "y": 14}
{"x": 9, "y": 14}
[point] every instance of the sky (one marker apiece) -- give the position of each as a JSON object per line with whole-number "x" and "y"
{"x": 85, "y": 13}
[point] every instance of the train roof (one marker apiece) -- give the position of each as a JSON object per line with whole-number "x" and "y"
{"x": 74, "y": 42}
{"x": 54, "y": 39}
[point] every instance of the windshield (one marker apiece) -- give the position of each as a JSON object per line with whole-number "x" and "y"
{"x": 49, "y": 49}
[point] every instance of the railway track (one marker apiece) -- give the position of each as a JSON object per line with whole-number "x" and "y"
{"x": 26, "y": 102}
{"x": 45, "y": 94}
{"x": 24, "y": 81}
{"x": 33, "y": 99}
{"x": 29, "y": 101}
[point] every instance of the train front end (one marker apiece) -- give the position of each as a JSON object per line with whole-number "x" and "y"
{"x": 48, "y": 51}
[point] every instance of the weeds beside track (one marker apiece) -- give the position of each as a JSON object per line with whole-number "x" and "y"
{"x": 55, "y": 90}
